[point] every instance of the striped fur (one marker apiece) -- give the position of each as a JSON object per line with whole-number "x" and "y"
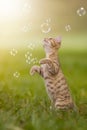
{"x": 55, "y": 81}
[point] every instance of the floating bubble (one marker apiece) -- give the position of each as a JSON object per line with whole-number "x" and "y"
{"x": 28, "y": 61}
{"x": 35, "y": 60}
{"x": 48, "y": 20}
{"x": 38, "y": 44}
{"x": 31, "y": 46}
{"x": 45, "y": 27}
{"x": 27, "y": 8}
{"x": 13, "y": 52}
{"x": 68, "y": 28}
{"x": 28, "y": 54}
{"x": 16, "y": 74}
{"x": 27, "y": 28}
{"x": 28, "y": 57}
{"x": 81, "y": 11}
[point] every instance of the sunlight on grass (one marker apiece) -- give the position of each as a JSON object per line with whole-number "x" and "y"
{"x": 24, "y": 103}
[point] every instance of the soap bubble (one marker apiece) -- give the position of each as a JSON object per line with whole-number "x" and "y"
{"x": 16, "y": 74}
{"x": 48, "y": 20}
{"x": 68, "y": 28}
{"x": 81, "y": 11}
{"x": 27, "y": 27}
{"x": 26, "y": 8}
{"x": 28, "y": 55}
{"x": 30, "y": 59}
{"x": 13, "y": 52}
{"x": 34, "y": 60}
{"x": 31, "y": 46}
{"x": 45, "y": 27}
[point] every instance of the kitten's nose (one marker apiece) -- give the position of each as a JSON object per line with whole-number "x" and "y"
{"x": 45, "y": 40}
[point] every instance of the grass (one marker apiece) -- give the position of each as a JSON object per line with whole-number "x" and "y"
{"x": 24, "y": 104}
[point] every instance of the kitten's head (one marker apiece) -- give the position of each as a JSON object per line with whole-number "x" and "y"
{"x": 52, "y": 44}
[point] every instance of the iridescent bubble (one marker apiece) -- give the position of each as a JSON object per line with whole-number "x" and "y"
{"x": 38, "y": 44}
{"x": 16, "y": 74}
{"x": 45, "y": 27}
{"x": 28, "y": 54}
{"x": 81, "y": 11}
{"x": 13, "y": 52}
{"x": 29, "y": 26}
{"x": 68, "y": 28}
{"x": 28, "y": 61}
{"x": 48, "y": 20}
{"x": 28, "y": 57}
{"x": 26, "y": 8}
{"x": 31, "y": 46}
{"x": 26, "y": 28}
{"x": 35, "y": 60}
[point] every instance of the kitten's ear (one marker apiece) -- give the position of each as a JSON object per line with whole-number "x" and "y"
{"x": 58, "y": 39}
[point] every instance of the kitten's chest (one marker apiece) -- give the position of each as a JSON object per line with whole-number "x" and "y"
{"x": 44, "y": 70}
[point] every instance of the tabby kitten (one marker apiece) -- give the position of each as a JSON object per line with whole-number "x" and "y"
{"x": 55, "y": 81}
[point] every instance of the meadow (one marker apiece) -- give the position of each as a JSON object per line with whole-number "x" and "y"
{"x": 24, "y": 104}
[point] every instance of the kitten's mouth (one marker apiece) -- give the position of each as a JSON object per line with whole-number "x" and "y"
{"x": 45, "y": 41}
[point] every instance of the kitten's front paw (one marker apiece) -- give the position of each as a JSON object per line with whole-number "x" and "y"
{"x": 32, "y": 71}
{"x": 45, "y": 61}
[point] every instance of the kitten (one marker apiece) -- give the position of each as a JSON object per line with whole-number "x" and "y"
{"x": 55, "y": 81}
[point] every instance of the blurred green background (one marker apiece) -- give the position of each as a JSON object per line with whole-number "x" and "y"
{"x": 24, "y": 103}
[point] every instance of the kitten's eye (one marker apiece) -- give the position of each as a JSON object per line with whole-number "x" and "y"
{"x": 53, "y": 43}
{"x": 50, "y": 38}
